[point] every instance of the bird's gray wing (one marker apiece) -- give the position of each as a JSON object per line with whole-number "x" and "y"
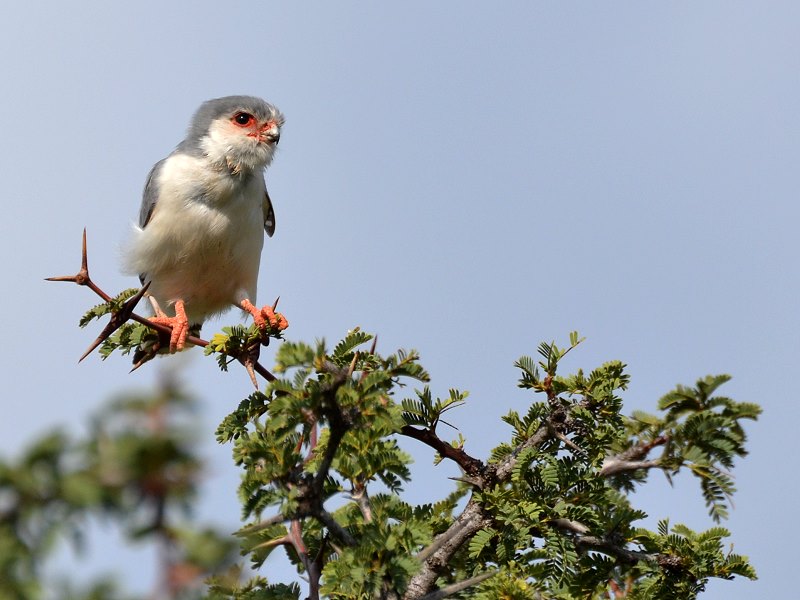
{"x": 269, "y": 214}
{"x": 149, "y": 199}
{"x": 150, "y": 195}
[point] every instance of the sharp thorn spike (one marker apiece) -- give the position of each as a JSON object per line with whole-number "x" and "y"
{"x": 100, "y": 339}
{"x": 251, "y": 371}
{"x": 352, "y": 365}
{"x": 84, "y": 256}
{"x": 374, "y": 344}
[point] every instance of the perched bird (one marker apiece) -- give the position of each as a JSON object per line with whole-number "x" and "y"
{"x": 203, "y": 216}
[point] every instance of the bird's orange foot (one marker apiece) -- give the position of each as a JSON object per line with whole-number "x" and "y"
{"x": 179, "y": 324}
{"x": 265, "y": 316}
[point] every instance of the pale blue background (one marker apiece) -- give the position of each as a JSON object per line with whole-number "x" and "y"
{"x": 464, "y": 178}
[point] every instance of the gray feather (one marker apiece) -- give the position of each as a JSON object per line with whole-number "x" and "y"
{"x": 150, "y": 195}
{"x": 269, "y": 215}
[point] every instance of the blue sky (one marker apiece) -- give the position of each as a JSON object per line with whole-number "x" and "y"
{"x": 460, "y": 178}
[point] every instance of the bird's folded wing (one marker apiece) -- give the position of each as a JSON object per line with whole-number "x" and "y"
{"x": 269, "y": 214}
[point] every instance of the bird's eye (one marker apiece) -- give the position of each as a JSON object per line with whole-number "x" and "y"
{"x": 243, "y": 119}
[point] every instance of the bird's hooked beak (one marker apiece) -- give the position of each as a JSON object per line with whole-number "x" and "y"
{"x": 269, "y": 132}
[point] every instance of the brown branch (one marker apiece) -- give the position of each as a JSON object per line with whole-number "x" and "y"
{"x": 126, "y": 313}
{"x": 470, "y": 465}
{"x": 269, "y": 522}
{"x": 295, "y": 536}
{"x": 471, "y": 520}
{"x": 333, "y": 526}
{"x": 584, "y": 541}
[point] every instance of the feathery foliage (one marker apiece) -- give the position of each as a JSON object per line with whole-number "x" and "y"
{"x": 548, "y": 513}
{"x": 322, "y": 452}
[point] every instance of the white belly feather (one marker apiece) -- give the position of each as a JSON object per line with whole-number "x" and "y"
{"x": 203, "y": 248}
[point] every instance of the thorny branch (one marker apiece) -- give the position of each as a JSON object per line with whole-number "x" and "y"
{"x": 470, "y": 465}
{"x": 473, "y": 518}
{"x": 311, "y": 488}
{"x": 119, "y": 318}
{"x": 295, "y": 537}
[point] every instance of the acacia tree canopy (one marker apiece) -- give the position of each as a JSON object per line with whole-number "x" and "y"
{"x": 550, "y": 513}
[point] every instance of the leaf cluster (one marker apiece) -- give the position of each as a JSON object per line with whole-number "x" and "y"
{"x": 699, "y": 431}
{"x": 550, "y": 513}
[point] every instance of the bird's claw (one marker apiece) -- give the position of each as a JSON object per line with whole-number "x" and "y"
{"x": 265, "y": 317}
{"x": 179, "y": 324}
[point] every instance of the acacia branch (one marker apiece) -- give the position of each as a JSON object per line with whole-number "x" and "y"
{"x": 614, "y": 466}
{"x": 361, "y": 497}
{"x": 591, "y": 542}
{"x": 472, "y": 519}
{"x": 295, "y": 537}
{"x": 470, "y": 465}
{"x": 126, "y": 313}
{"x": 503, "y": 470}
{"x": 632, "y": 459}
{"x": 440, "y": 540}
{"x": 333, "y": 526}
{"x": 338, "y": 423}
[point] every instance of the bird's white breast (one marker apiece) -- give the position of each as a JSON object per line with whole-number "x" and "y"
{"x": 203, "y": 242}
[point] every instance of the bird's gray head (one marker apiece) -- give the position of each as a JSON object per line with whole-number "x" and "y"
{"x": 237, "y": 132}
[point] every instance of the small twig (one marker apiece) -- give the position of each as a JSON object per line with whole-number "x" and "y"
{"x": 362, "y": 501}
{"x": 571, "y": 526}
{"x": 338, "y": 424}
{"x": 353, "y": 362}
{"x": 295, "y": 536}
{"x": 281, "y": 541}
{"x": 612, "y": 549}
{"x": 614, "y": 466}
{"x": 568, "y": 442}
{"x": 269, "y": 522}
{"x": 470, "y": 465}
{"x": 632, "y": 458}
{"x": 333, "y": 526}
{"x": 117, "y": 320}
{"x": 477, "y": 482}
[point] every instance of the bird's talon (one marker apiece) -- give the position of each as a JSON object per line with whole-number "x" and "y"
{"x": 179, "y": 324}
{"x": 269, "y": 315}
{"x": 265, "y": 315}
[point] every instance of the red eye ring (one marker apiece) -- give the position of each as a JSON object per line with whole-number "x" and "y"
{"x": 243, "y": 119}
